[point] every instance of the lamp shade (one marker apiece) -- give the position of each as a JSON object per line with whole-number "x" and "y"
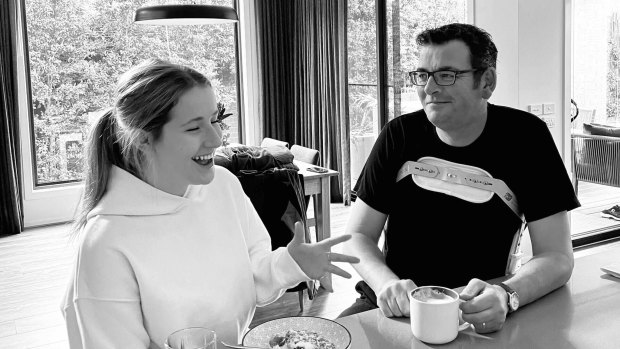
{"x": 185, "y": 15}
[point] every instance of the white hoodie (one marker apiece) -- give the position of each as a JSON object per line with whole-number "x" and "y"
{"x": 151, "y": 263}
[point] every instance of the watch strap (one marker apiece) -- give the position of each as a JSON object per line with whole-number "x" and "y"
{"x": 506, "y": 287}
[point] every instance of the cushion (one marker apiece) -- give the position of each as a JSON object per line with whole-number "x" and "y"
{"x": 601, "y": 130}
{"x": 270, "y": 142}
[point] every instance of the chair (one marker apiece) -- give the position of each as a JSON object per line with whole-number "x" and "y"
{"x": 595, "y": 159}
{"x": 307, "y": 155}
{"x": 585, "y": 116}
{"x": 274, "y": 191}
{"x": 310, "y": 156}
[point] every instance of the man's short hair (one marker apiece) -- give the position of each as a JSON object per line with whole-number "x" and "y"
{"x": 481, "y": 46}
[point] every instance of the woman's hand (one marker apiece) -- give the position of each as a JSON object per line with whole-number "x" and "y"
{"x": 316, "y": 259}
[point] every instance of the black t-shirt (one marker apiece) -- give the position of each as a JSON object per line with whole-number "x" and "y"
{"x": 437, "y": 239}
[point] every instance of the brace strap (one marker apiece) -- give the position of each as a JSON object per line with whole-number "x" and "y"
{"x": 456, "y": 176}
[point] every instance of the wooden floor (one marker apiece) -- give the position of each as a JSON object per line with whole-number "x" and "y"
{"x": 35, "y": 265}
{"x": 594, "y": 198}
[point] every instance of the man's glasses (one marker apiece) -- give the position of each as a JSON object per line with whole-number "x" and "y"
{"x": 441, "y": 77}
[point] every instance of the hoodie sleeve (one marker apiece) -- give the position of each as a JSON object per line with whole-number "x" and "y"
{"x": 105, "y": 311}
{"x": 274, "y": 271}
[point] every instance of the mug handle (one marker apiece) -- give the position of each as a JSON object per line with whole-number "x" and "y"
{"x": 462, "y": 324}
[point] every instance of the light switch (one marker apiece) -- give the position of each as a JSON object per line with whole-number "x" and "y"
{"x": 548, "y": 108}
{"x": 535, "y": 109}
{"x": 549, "y": 121}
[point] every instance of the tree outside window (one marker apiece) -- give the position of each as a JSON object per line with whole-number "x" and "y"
{"x": 78, "y": 49}
{"x": 596, "y": 60}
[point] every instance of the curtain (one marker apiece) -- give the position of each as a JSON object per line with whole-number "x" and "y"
{"x": 11, "y": 214}
{"x": 303, "y": 71}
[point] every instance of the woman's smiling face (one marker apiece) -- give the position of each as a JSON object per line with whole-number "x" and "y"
{"x": 183, "y": 154}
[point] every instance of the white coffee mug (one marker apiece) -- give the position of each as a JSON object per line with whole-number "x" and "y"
{"x": 434, "y": 314}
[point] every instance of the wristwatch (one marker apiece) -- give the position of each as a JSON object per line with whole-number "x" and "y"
{"x": 513, "y": 297}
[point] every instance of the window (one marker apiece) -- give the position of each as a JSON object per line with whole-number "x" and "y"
{"x": 362, "y": 56}
{"x": 404, "y": 19}
{"x": 596, "y": 91}
{"x": 596, "y": 59}
{"x": 74, "y": 52}
{"x": 408, "y": 19}
{"x": 77, "y": 50}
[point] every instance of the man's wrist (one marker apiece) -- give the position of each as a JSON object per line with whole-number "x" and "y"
{"x": 385, "y": 284}
{"x": 503, "y": 296}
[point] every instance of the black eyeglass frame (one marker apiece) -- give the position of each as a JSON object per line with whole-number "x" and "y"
{"x": 432, "y": 74}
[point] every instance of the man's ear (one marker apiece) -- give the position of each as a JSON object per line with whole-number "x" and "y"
{"x": 488, "y": 81}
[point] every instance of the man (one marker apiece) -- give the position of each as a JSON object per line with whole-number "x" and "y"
{"x": 449, "y": 235}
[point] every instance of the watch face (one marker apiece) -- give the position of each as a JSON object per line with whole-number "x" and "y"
{"x": 513, "y": 300}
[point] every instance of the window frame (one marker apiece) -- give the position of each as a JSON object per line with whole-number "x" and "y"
{"x": 596, "y": 236}
{"x": 57, "y": 203}
{"x": 40, "y": 203}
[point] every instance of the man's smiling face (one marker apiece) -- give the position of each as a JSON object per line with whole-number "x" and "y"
{"x": 450, "y": 107}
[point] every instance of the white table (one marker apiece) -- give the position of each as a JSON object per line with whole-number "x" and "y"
{"x": 584, "y": 314}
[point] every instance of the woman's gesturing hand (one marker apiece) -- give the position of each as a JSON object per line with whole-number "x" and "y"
{"x": 316, "y": 259}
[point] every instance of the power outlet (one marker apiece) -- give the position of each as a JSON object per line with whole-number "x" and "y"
{"x": 548, "y": 108}
{"x": 536, "y": 109}
{"x": 549, "y": 121}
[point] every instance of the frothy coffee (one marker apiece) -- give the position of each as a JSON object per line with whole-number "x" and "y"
{"x": 431, "y": 295}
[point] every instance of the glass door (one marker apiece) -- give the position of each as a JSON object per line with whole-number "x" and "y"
{"x": 595, "y": 119}
{"x": 403, "y": 19}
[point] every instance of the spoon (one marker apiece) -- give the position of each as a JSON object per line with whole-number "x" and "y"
{"x": 242, "y": 346}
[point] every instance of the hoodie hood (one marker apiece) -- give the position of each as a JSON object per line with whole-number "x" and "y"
{"x": 127, "y": 195}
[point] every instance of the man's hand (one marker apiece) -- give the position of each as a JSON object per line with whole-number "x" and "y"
{"x": 485, "y": 306}
{"x": 393, "y": 298}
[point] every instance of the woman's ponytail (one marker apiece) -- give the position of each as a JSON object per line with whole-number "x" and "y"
{"x": 102, "y": 151}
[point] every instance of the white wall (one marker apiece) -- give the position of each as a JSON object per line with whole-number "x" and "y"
{"x": 500, "y": 19}
{"x": 530, "y": 37}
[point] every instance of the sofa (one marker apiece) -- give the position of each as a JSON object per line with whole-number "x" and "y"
{"x": 596, "y": 155}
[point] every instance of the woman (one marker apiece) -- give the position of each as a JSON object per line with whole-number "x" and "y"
{"x": 168, "y": 240}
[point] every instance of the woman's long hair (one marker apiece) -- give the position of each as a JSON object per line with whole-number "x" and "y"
{"x": 144, "y": 96}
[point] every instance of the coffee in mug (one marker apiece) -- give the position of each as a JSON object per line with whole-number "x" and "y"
{"x": 434, "y": 314}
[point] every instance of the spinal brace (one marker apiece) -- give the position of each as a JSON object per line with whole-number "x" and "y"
{"x": 468, "y": 183}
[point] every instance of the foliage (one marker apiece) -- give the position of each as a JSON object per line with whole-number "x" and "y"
{"x": 362, "y": 108}
{"x": 77, "y": 50}
{"x": 221, "y": 115}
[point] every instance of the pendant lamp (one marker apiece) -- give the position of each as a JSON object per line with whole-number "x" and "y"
{"x": 185, "y": 15}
